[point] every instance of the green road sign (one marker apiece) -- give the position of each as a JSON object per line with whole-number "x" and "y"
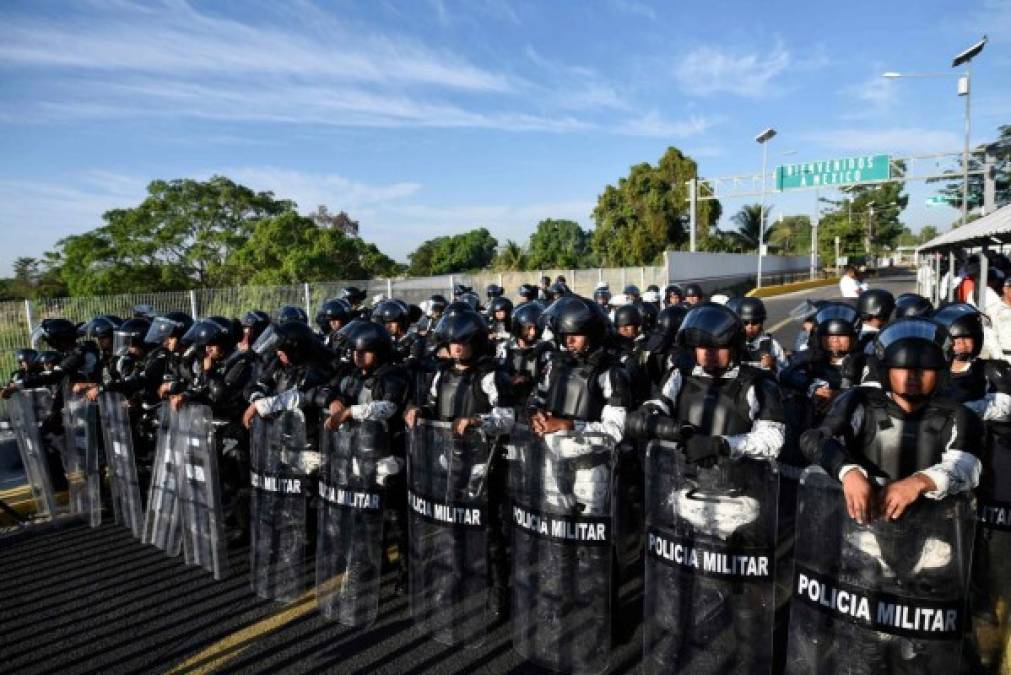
{"x": 845, "y": 171}
{"x": 939, "y": 200}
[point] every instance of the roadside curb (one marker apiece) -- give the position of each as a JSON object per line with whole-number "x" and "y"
{"x": 770, "y": 291}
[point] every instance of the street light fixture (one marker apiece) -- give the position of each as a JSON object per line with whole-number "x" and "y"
{"x": 763, "y": 139}
{"x": 964, "y": 89}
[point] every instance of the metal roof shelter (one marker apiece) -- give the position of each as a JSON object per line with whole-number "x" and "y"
{"x": 994, "y": 228}
{"x": 991, "y": 229}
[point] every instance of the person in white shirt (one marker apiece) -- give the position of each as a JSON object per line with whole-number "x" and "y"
{"x": 1000, "y": 319}
{"x": 850, "y": 285}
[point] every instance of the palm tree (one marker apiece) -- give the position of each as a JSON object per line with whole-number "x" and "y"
{"x": 511, "y": 257}
{"x": 749, "y": 224}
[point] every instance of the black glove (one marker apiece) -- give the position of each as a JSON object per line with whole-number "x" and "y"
{"x": 647, "y": 425}
{"x": 706, "y": 450}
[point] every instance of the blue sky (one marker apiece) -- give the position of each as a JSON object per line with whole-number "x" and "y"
{"x": 423, "y": 118}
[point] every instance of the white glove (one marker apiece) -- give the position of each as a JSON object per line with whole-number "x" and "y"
{"x": 308, "y": 461}
{"x": 386, "y": 467}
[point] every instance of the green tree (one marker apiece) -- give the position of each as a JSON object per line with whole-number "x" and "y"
{"x": 177, "y": 238}
{"x": 557, "y": 244}
{"x": 749, "y": 226}
{"x": 927, "y": 232}
{"x": 443, "y": 255}
{"x": 290, "y": 248}
{"x": 510, "y": 258}
{"x": 647, "y": 212}
{"x": 952, "y": 191}
{"x": 791, "y": 235}
{"x": 866, "y": 221}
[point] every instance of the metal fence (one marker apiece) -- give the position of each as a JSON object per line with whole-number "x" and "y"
{"x": 17, "y": 318}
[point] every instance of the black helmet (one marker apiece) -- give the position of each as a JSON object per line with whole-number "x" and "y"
{"x": 558, "y": 290}
{"x": 499, "y": 304}
{"x": 627, "y": 315}
{"x": 527, "y": 314}
{"x": 876, "y": 303}
{"x": 493, "y": 291}
{"x": 437, "y": 302}
{"x": 653, "y": 288}
{"x": 962, "y": 320}
{"x": 649, "y": 315}
{"x": 528, "y": 292}
{"x": 290, "y": 313}
{"x": 296, "y": 340}
{"x": 143, "y": 311}
{"x": 368, "y": 336}
{"x": 602, "y": 292}
{"x": 751, "y": 310}
{"x": 693, "y": 290}
{"x": 130, "y": 333}
{"x": 573, "y": 315}
{"x": 392, "y": 311}
{"x": 57, "y": 333}
{"x": 669, "y": 320}
{"x": 466, "y": 327}
{"x": 836, "y": 318}
{"x": 911, "y": 304}
{"x": 336, "y": 309}
{"x": 26, "y": 356}
{"x": 913, "y": 343}
{"x": 672, "y": 289}
{"x": 101, "y": 326}
{"x": 254, "y": 322}
{"x": 353, "y": 295}
{"x": 460, "y": 289}
{"x": 48, "y": 358}
{"x": 712, "y": 325}
{"x": 172, "y": 324}
{"x": 631, "y": 291}
{"x": 469, "y": 299}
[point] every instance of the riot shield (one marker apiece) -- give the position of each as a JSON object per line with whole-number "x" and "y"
{"x": 203, "y": 528}
{"x": 278, "y": 506}
{"x": 163, "y": 516}
{"x": 710, "y": 549}
{"x": 991, "y": 565}
{"x": 26, "y": 408}
{"x": 562, "y": 524}
{"x": 80, "y": 458}
{"x": 126, "y": 505}
{"x": 887, "y": 597}
{"x": 349, "y": 548}
{"x": 447, "y": 522}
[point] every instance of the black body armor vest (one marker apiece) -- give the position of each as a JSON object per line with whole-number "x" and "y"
{"x": 903, "y": 444}
{"x": 573, "y": 390}
{"x": 460, "y": 394}
{"x": 717, "y": 406}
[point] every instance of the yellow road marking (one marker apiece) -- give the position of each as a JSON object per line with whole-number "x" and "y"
{"x": 214, "y": 657}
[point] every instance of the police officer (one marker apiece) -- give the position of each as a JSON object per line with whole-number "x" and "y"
{"x": 167, "y": 349}
{"x": 253, "y": 323}
{"x": 377, "y": 389}
{"x": 27, "y": 363}
{"x": 763, "y": 350}
{"x": 222, "y": 375}
{"x": 500, "y": 311}
{"x": 472, "y": 389}
{"x": 732, "y": 408}
{"x": 875, "y": 307}
{"x": 659, "y": 352}
{"x": 910, "y": 305}
{"x": 395, "y": 317}
{"x": 528, "y": 292}
{"x": 602, "y": 296}
{"x": 832, "y": 363}
{"x": 628, "y": 324}
{"x": 936, "y": 453}
{"x": 355, "y": 297}
{"x": 632, "y": 294}
{"x": 673, "y": 295}
{"x": 693, "y": 294}
{"x": 982, "y": 385}
{"x": 335, "y": 314}
{"x": 525, "y": 354}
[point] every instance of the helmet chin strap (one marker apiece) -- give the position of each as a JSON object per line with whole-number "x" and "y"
{"x": 964, "y": 357}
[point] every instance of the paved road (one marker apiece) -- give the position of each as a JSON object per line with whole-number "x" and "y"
{"x": 76, "y": 600}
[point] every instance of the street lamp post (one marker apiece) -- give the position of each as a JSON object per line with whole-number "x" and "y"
{"x": 964, "y": 89}
{"x": 763, "y": 139}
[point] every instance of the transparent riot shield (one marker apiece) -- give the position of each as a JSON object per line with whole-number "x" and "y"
{"x": 887, "y": 597}
{"x": 562, "y": 524}
{"x": 80, "y": 459}
{"x": 349, "y": 547}
{"x": 710, "y": 553}
{"x": 278, "y": 506}
{"x": 203, "y": 528}
{"x": 26, "y": 409}
{"x": 991, "y": 563}
{"x": 447, "y": 521}
{"x": 126, "y": 505}
{"x": 163, "y": 516}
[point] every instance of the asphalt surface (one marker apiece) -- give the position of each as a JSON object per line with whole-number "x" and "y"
{"x": 81, "y": 600}
{"x": 73, "y": 599}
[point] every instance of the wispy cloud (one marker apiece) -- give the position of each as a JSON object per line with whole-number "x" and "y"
{"x": 655, "y": 125}
{"x": 707, "y": 70}
{"x": 893, "y": 140}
